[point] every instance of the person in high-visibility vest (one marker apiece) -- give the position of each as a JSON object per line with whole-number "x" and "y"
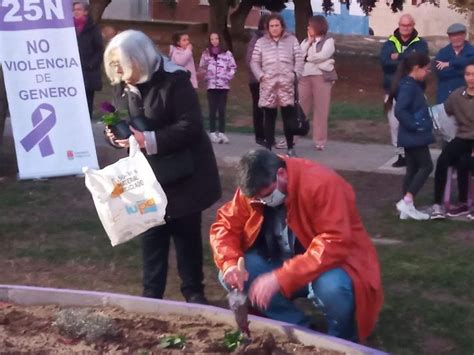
{"x": 405, "y": 40}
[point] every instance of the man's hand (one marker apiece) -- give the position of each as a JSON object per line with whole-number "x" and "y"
{"x": 236, "y": 275}
{"x": 441, "y": 65}
{"x": 263, "y": 289}
{"x": 394, "y": 56}
{"x": 310, "y": 37}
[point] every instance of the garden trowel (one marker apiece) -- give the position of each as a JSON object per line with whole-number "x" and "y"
{"x": 238, "y": 304}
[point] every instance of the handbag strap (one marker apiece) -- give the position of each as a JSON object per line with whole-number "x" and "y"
{"x": 297, "y": 96}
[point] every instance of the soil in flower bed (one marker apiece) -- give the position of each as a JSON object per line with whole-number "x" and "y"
{"x": 112, "y": 330}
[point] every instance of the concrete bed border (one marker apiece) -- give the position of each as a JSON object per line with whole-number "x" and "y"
{"x": 27, "y": 295}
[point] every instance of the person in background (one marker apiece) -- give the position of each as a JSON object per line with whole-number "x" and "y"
{"x": 277, "y": 62}
{"x": 217, "y": 66}
{"x": 296, "y": 225}
{"x": 91, "y": 48}
{"x": 318, "y": 77}
{"x": 464, "y": 168}
{"x": 178, "y": 150}
{"x": 181, "y": 53}
{"x": 459, "y": 104}
{"x": 404, "y": 41}
{"x": 415, "y": 132}
{"x": 254, "y": 85}
{"x": 3, "y": 115}
{"x": 451, "y": 61}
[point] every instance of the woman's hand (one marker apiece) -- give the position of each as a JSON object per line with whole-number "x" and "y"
{"x": 122, "y": 143}
{"x": 310, "y": 36}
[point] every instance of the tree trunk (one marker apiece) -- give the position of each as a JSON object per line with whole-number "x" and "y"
{"x": 471, "y": 26}
{"x": 97, "y": 8}
{"x": 239, "y": 16}
{"x": 303, "y": 11}
{"x": 218, "y": 13}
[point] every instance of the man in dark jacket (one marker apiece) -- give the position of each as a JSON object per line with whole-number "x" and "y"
{"x": 405, "y": 40}
{"x": 451, "y": 61}
{"x": 91, "y": 48}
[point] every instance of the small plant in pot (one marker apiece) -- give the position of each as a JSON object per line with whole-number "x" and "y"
{"x": 113, "y": 119}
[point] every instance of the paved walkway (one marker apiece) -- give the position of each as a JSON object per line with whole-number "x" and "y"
{"x": 375, "y": 158}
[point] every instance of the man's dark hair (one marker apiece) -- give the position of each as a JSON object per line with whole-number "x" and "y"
{"x": 257, "y": 170}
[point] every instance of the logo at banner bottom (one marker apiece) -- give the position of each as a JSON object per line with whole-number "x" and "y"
{"x": 43, "y": 119}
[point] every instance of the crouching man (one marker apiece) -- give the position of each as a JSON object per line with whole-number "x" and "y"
{"x": 297, "y": 227}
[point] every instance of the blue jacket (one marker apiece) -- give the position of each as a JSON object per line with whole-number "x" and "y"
{"x": 452, "y": 77}
{"x": 394, "y": 44}
{"x": 411, "y": 110}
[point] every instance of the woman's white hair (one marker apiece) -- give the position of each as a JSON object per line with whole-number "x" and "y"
{"x": 135, "y": 51}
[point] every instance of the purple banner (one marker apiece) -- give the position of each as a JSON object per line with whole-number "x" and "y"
{"x": 44, "y": 119}
{"x": 17, "y": 15}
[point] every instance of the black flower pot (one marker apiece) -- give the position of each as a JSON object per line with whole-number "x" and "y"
{"x": 140, "y": 123}
{"x": 121, "y": 130}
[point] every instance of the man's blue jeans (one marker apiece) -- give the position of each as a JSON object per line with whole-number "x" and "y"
{"x": 332, "y": 292}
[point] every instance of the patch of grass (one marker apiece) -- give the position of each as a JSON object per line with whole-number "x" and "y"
{"x": 427, "y": 278}
{"x": 355, "y": 111}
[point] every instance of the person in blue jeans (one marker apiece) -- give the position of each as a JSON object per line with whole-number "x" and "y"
{"x": 415, "y": 132}
{"x": 295, "y": 224}
{"x": 332, "y": 293}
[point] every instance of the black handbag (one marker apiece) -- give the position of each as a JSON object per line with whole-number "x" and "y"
{"x": 299, "y": 124}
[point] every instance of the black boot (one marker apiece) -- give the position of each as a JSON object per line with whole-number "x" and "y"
{"x": 400, "y": 163}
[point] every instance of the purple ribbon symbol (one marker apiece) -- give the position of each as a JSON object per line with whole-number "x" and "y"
{"x": 44, "y": 119}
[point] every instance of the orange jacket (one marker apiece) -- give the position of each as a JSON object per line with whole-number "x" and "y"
{"x": 322, "y": 213}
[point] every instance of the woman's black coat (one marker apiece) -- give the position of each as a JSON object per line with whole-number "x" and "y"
{"x": 178, "y": 125}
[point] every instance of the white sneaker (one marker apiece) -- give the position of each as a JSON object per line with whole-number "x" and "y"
{"x": 410, "y": 211}
{"x": 223, "y": 138}
{"x": 403, "y": 216}
{"x": 214, "y": 137}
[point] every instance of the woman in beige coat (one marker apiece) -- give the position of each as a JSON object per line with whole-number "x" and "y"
{"x": 318, "y": 77}
{"x": 275, "y": 60}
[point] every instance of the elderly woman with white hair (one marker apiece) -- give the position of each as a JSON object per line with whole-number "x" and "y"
{"x": 150, "y": 86}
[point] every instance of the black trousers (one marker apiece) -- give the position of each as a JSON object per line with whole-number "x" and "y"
{"x": 217, "y": 100}
{"x": 90, "y": 101}
{"x": 270, "y": 120}
{"x": 450, "y": 156}
{"x": 186, "y": 233}
{"x": 257, "y": 112}
{"x": 419, "y": 168}
{"x": 464, "y": 167}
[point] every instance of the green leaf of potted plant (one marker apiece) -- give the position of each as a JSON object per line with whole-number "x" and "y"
{"x": 113, "y": 118}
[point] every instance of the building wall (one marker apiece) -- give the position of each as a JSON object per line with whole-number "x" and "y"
{"x": 191, "y": 11}
{"x": 342, "y": 21}
{"x": 127, "y": 10}
{"x": 430, "y": 20}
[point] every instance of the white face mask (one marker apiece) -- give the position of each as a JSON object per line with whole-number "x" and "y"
{"x": 276, "y": 198}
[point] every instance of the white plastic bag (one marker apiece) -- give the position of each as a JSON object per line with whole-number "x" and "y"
{"x": 444, "y": 124}
{"x": 128, "y": 198}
